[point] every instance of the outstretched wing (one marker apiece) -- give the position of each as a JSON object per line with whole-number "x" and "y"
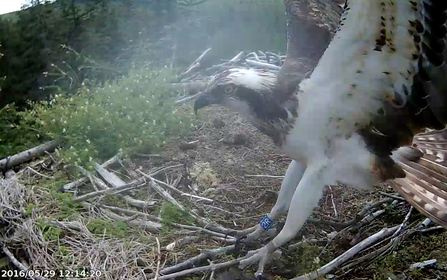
{"x": 417, "y": 97}
{"x": 310, "y": 27}
{"x": 425, "y": 183}
{"x": 392, "y": 85}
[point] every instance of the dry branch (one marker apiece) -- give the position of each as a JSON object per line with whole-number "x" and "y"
{"x": 28, "y": 155}
{"x": 19, "y": 265}
{"x": 132, "y": 185}
{"x": 348, "y": 254}
{"x": 116, "y": 182}
{"x": 83, "y": 180}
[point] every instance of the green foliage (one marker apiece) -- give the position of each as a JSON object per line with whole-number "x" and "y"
{"x": 132, "y": 114}
{"x": 111, "y": 36}
{"x": 110, "y": 228}
{"x": 66, "y": 208}
{"x": 49, "y": 232}
{"x": 13, "y": 138}
{"x": 172, "y": 214}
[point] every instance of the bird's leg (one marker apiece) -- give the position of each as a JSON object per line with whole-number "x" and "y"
{"x": 305, "y": 198}
{"x": 291, "y": 179}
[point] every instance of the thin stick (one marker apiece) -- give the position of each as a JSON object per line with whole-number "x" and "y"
{"x": 158, "y": 258}
{"x": 210, "y": 267}
{"x": 134, "y": 184}
{"x": 333, "y": 203}
{"x": 18, "y": 264}
{"x": 174, "y": 189}
{"x": 28, "y": 154}
{"x": 348, "y": 254}
{"x": 263, "y": 176}
{"x": 38, "y": 173}
{"x": 157, "y": 219}
{"x": 392, "y": 196}
{"x": 83, "y": 180}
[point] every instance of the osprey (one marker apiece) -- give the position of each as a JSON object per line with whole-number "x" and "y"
{"x": 380, "y": 80}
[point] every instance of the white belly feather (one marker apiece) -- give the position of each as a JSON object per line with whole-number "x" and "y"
{"x": 349, "y": 86}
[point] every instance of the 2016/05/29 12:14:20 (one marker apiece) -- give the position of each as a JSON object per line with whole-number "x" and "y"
{"x": 49, "y": 273}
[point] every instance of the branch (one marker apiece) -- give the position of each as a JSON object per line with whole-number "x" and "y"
{"x": 19, "y": 265}
{"x": 134, "y": 184}
{"x": 81, "y": 181}
{"x": 348, "y": 254}
{"x": 28, "y": 155}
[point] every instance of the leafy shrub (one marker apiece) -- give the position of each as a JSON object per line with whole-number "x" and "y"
{"x": 133, "y": 114}
{"x": 13, "y": 139}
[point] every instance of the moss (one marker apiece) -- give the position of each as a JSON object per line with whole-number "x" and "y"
{"x": 49, "y": 232}
{"x": 172, "y": 214}
{"x": 110, "y": 228}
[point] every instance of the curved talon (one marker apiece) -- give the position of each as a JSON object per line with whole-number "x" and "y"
{"x": 238, "y": 244}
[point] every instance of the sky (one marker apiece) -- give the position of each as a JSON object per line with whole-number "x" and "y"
{"x": 7, "y": 6}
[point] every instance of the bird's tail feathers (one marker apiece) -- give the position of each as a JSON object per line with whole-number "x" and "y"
{"x": 425, "y": 184}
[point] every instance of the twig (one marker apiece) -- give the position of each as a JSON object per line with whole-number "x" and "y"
{"x": 187, "y": 98}
{"x": 83, "y": 180}
{"x": 18, "y": 264}
{"x": 147, "y": 225}
{"x": 164, "y": 169}
{"x": 263, "y": 176}
{"x": 38, "y": 173}
{"x": 348, "y": 254}
{"x": 28, "y": 155}
{"x": 210, "y": 267}
{"x": 174, "y": 189}
{"x": 158, "y": 258}
{"x": 160, "y": 220}
{"x": 392, "y": 196}
{"x": 333, "y": 203}
{"x": 134, "y": 184}
{"x": 308, "y": 241}
{"x": 166, "y": 195}
{"x": 262, "y": 64}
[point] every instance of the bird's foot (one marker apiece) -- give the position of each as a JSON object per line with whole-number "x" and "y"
{"x": 261, "y": 256}
{"x": 255, "y": 232}
{"x": 249, "y": 238}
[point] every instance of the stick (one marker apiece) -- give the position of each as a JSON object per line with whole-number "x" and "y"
{"x": 81, "y": 181}
{"x": 348, "y": 254}
{"x": 130, "y": 200}
{"x": 211, "y": 267}
{"x": 263, "y": 176}
{"x": 238, "y": 57}
{"x": 166, "y": 195}
{"x": 158, "y": 258}
{"x": 333, "y": 202}
{"x": 174, "y": 189}
{"x": 134, "y": 184}
{"x": 38, "y": 173}
{"x": 18, "y": 264}
{"x": 160, "y": 220}
{"x": 28, "y": 155}
{"x": 153, "y": 227}
{"x": 116, "y": 182}
{"x": 194, "y": 261}
{"x": 187, "y": 98}
{"x": 262, "y": 64}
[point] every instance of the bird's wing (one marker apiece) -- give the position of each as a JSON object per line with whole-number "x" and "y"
{"x": 417, "y": 97}
{"x": 391, "y": 84}
{"x": 311, "y": 25}
{"x": 425, "y": 184}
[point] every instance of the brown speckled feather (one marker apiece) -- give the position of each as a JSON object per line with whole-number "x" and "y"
{"x": 310, "y": 27}
{"x": 425, "y": 184}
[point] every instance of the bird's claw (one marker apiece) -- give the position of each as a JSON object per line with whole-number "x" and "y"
{"x": 260, "y": 256}
{"x": 246, "y": 239}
